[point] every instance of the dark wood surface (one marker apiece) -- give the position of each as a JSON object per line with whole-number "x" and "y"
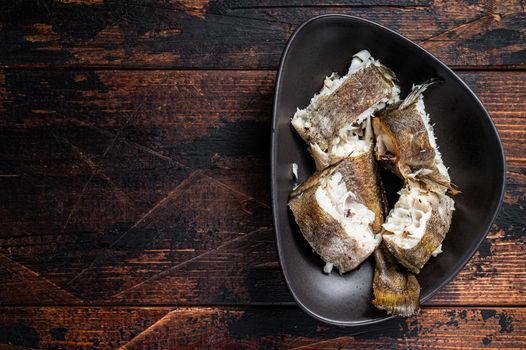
{"x": 134, "y": 175}
{"x": 243, "y": 33}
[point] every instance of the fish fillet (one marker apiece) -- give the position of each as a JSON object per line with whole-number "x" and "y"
{"x": 332, "y": 122}
{"x": 334, "y": 219}
{"x": 405, "y": 142}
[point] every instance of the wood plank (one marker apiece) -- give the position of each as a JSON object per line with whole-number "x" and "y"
{"x": 73, "y": 328}
{"x": 153, "y": 186}
{"x": 243, "y": 34}
{"x": 253, "y": 328}
{"x": 21, "y": 285}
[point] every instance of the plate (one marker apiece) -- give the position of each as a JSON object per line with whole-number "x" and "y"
{"x": 467, "y": 138}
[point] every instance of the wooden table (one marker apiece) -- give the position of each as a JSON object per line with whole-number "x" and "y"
{"x": 134, "y": 175}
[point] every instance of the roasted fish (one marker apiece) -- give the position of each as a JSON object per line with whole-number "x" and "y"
{"x": 395, "y": 290}
{"x": 361, "y": 176}
{"x": 417, "y": 225}
{"x": 333, "y": 218}
{"x": 405, "y": 142}
{"x": 332, "y": 123}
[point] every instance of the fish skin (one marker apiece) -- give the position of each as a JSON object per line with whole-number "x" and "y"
{"x": 324, "y": 233}
{"x": 413, "y": 150}
{"x": 344, "y": 105}
{"x": 361, "y": 176}
{"x": 395, "y": 290}
{"x": 435, "y": 231}
{"x": 403, "y": 124}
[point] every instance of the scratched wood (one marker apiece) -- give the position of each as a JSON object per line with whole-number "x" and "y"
{"x": 253, "y": 328}
{"x": 243, "y": 34}
{"x": 153, "y": 187}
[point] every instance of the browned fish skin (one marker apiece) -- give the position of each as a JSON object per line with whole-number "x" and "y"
{"x": 409, "y": 147}
{"x": 435, "y": 231}
{"x": 413, "y": 150}
{"x": 362, "y": 90}
{"x": 395, "y": 290}
{"x": 361, "y": 176}
{"x": 325, "y": 234}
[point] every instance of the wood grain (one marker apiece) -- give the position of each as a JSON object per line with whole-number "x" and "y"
{"x": 153, "y": 186}
{"x": 134, "y": 191}
{"x": 243, "y": 34}
{"x": 253, "y": 328}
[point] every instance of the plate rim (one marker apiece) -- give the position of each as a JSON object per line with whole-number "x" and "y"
{"x": 273, "y": 175}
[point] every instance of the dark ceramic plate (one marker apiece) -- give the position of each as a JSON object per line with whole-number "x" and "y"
{"x": 466, "y": 135}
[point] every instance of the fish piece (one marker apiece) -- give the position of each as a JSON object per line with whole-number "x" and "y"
{"x": 395, "y": 290}
{"x": 332, "y": 123}
{"x": 334, "y": 220}
{"x": 361, "y": 176}
{"x": 417, "y": 224}
{"x": 405, "y": 142}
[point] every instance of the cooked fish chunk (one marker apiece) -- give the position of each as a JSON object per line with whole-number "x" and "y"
{"x": 334, "y": 220}
{"x": 405, "y": 142}
{"x": 332, "y": 123}
{"x": 395, "y": 290}
{"x": 360, "y": 174}
{"x": 417, "y": 225}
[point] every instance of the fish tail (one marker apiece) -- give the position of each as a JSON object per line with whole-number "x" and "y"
{"x": 417, "y": 91}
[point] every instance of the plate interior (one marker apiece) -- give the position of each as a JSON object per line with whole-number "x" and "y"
{"x": 466, "y": 136}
